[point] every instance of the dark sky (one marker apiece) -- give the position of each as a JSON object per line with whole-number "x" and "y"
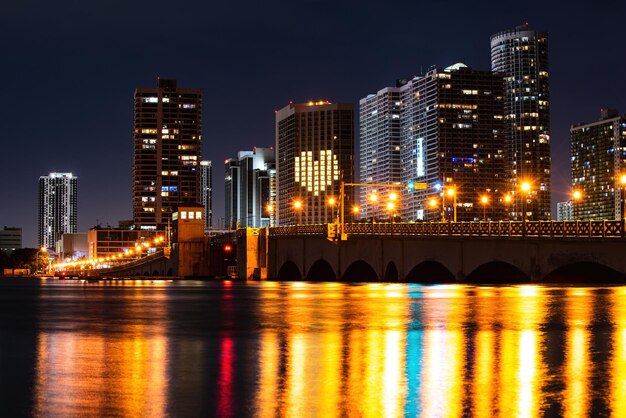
{"x": 69, "y": 70}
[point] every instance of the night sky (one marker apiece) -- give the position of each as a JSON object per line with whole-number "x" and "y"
{"x": 69, "y": 70}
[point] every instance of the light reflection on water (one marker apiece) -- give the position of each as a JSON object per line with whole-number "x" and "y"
{"x": 315, "y": 349}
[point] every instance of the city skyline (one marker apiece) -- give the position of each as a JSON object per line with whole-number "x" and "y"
{"x": 84, "y": 56}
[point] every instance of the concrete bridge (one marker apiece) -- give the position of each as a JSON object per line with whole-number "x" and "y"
{"x": 488, "y": 252}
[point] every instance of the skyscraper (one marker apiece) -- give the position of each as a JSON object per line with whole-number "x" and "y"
{"x": 167, "y": 143}
{"x": 314, "y": 152}
{"x": 231, "y": 193}
{"x": 452, "y": 139}
{"x": 379, "y": 146}
{"x": 598, "y": 163}
{"x": 521, "y": 56}
{"x": 206, "y": 188}
{"x": 250, "y": 196}
{"x": 58, "y": 207}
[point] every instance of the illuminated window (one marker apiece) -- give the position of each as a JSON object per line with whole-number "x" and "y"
{"x": 150, "y": 99}
{"x": 191, "y": 215}
{"x": 183, "y": 215}
{"x": 198, "y": 215}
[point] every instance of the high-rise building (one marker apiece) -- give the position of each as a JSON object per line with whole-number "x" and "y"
{"x": 206, "y": 191}
{"x": 450, "y": 138}
{"x": 250, "y": 196}
{"x": 564, "y": 211}
{"x": 167, "y": 143}
{"x": 314, "y": 153}
{"x": 231, "y": 193}
{"x": 598, "y": 163}
{"x": 58, "y": 207}
{"x": 379, "y": 146}
{"x": 10, "y": 239}
{"x": 520, "y": 55}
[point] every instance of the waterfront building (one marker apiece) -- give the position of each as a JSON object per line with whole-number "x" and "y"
{"x": 520, "y": 55}
{"x": 104, "y": 242}
{"x": 58, "y": 207}
{"x": 10, "y": 239}
{"x": 206, "y": 192}
{"x": 167, "y": 146}
{"x": 379, "y": 147}
{"x": 451, "y": 138}
{"x": 250, "y": 197}
{"x": 598, "y": 164}
{"x": 564, "y": 211}
{"x": 314, "y": 153}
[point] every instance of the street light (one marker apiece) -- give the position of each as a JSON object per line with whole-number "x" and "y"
{"x": 297, "y": 205}
{"x": 331, "y": 202}
{"x": 484, "y": 200}
{"x": 270, "y": 210}
{"x": 525, "y": 186}
{"x": 576, "y": 196}
{"x": 451, "y": 192}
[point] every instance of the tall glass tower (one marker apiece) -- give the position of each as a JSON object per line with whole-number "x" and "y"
{"x": 520, "y": 55}
{"x": 58, "y": 207}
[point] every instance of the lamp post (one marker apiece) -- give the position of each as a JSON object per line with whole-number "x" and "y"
{"x": 297, "y": 206}
{"x": 526, "y": 189}
{"x": 373, "y": 198}
{"x": 390, "y": 207}
{"x": 331, "y": 203}
{"x": 451, "y": 192}
{"x": 507, "y": 201}
{"x": 484, "y": 200}
{"x": 576, "y": 196}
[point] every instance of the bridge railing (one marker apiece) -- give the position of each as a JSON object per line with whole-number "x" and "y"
{"x": 517, "y": 229}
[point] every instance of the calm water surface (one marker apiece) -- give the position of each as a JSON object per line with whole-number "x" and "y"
{"x": 131, "y": 348}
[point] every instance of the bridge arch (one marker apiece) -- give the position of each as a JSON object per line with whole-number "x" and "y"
{"x": 391, "y": 272}
{"x": 321, "y": 271}
{"x": 289, "y": 271}
{"x": 430, "y": 271}
{"x": 584, "y": 272}
{"x": 497, "y": 272}
{"x": 155, "y": 273}
{"x": 360, "y": 271}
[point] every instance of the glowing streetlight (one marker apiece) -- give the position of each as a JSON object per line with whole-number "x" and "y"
{"x": 484, "y": 200}
{"x": 356, "y": 210}
{"x": 451, "y": 192}
{"x": 525, "y": 186}
{"x": 297, "y": 205}
{"x": 576, "y": 196}
{"x": 393, "y": 196}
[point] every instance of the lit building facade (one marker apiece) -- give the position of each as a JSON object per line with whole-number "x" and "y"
{"x": 379, "y": 147}
{"x": 598, "y": 162}
{"x": 314, "y": 153}
{"x": 167, "y": 146}
{"x": 251, "y": 196}
{"x": 520, "y": 55}
{"x": 104, "y": 242}
{"x": 58, "y": 207}
{"x": 564, "y": 211}
{"x": 452, "y": 139}
{"x": 206, "y": 191}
